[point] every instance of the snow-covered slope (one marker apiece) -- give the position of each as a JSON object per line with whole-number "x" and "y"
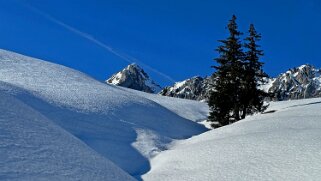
{"x": 134, "y": 77}
{"x": 192, "y": 110}
{"x": 33, "y": 148}
{"x": 280, "y": 145}
{"x": 120, "y": 125}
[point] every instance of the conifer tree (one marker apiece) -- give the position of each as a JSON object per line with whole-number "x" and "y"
{"x": 252, "y": 98}
{"x": 224, "y": 101}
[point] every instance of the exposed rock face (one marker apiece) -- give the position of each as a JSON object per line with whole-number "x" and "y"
{"x": 136, "y": 78}
{"x": 297, "y": 83}
{"x": 195, "y": 88}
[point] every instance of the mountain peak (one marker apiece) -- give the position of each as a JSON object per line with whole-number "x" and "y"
{"x": 134, "y": 77}
{"x": 297, "y": 83}
{"x": 195, "y": 88}
{"x": 133, "y": 65}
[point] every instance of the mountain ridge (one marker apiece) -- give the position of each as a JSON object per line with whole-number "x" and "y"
{"x": 296, "y": 83}
{"x": 134, "y": 77}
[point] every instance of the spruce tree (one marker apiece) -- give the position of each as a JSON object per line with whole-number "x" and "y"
{"x": 224, "y": 100}
{"x": 252, "y": 98}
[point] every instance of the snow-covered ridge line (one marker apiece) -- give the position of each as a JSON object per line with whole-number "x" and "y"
{"x": 109, "y": 120}
{"x": 35, "y": 148}
{"x": 195, "y": 88}
{"x": 296, "y": 83}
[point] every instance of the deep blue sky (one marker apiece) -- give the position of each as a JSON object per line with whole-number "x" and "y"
{"x": 175, "y": 37}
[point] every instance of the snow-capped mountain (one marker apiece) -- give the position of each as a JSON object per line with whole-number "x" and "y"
{"x": 195, "y": 88}
{"x": 296, "y": 83}
{"x": 134, "y": 77}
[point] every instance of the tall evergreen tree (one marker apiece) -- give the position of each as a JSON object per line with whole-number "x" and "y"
{"x": 224, "y": 101}
{"x": 252, "y": 98}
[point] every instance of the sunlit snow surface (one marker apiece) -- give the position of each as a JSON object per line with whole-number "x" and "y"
{"x": 281, "y": 145}
{"x": 59, "y": 124}
{"x": 113, "y": 123}
{"x": 33, "y": 148}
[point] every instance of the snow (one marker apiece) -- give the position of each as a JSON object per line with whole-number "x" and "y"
{"x": 280, "y": 145}
{"x": 57, "y": 123}
{"x": 118, "y": 78}
{"x": 113, "y": 124}
{"x": 267, "y": 85}
{"x": 33, "y": 148}
{"x": 301, "y": 67}
{"x": 189, "y": 109}
{"x": 177, "y": 85}
{"x": 150, "y": 83}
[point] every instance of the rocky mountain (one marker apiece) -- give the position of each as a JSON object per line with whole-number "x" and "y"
{"x": 296, "y": 83}
{"x": 134, "y": 77}
{"x": 195, "y": 88}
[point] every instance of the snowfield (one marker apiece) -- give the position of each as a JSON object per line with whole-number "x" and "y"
{"x": 33, "y": 148}
{"x": 281, "y": 145}
{"x": 97, "y": 123}
{"x": 57, "y": 123}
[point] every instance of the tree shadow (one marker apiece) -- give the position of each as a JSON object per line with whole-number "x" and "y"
{"x": 299, "y": 105}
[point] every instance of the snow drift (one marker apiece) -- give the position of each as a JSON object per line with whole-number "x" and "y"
{"x": 116, "y": 124}
{"x": 281, "y": 145}
{"x": 33, "y": 148}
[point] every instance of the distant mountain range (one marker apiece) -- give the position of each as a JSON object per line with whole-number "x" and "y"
{"x": 195, "y": 88}
{"x": 296, "y": 83}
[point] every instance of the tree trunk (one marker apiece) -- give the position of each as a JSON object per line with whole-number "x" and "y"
{"x": 236, "y": 113}
{"x": 244, "y": 112}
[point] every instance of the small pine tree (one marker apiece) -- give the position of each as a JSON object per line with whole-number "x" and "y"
{"x": 224, "y": 100}
{"x": 252, "y": 98}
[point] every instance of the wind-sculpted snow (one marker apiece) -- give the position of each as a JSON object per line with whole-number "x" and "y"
{"x": 189, "y": 109}
{"x": 283, "y": 144}
{"x": 33, "y": 148}
{"x": 111, "y": 121}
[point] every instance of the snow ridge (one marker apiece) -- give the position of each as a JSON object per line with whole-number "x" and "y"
{"x": 34, "y": 148}
{"x": 109, "y": 120}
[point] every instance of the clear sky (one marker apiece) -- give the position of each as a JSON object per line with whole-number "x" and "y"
{"x": 171, "y": 39}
